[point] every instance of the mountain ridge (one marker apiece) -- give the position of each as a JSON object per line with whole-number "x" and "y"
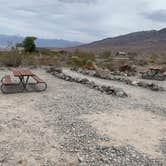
{"x": 8, "y": 40}
{"x": 152, "y": 41}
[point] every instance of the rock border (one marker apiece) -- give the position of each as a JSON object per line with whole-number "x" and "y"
{"x": 109, "y": 90}
{"x": 93, "y": 73}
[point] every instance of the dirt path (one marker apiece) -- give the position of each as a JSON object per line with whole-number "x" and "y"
{"x": 70, "y": 124}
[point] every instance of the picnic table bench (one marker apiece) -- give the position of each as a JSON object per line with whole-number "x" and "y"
{"x": 6, "y": 80}
{"x": 23, "y": 76}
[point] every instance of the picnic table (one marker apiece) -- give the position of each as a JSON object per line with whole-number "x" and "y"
{"x": 23, "y": 76}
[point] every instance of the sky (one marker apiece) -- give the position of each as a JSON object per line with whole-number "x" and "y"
{"x": 80, "y": 20}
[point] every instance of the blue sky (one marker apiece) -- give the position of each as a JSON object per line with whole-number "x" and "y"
{"x": 80, "y": 20}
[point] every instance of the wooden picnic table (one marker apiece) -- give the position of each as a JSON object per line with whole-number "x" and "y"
{"x": 23, "y": 75}
{"x": 22, "y": 72}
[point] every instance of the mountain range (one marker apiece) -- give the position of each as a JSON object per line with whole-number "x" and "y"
{"x": 145, "y": 42}
{"x": 7, "y": 40}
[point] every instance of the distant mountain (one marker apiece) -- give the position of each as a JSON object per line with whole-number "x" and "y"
{"x": 6, "y": 40}
{"x": 141, "y": 42}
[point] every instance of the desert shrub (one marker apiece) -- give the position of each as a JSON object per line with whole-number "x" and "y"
{"x": 47, "y": 60}
{"x": 114, "y": 64}
{"x": 108, "y": 65}
{"x": 153, "y": 58}
{"x": 75, "y": 61}
{"x": 106, "y": 54}
{"x": 52, "y": 57}
{"x": 47, "y": 52}
{"x": 127, "y": 68}
{"x": 28, "y": 59}
{"x": 79, "y": 59}
{"x": 141, "y": 62}
{"x": 11, "y": 58}
{"x": 163, "y": 58}
{"x": 89, "y": 64}
{"x": 132, "y": 54}
{"x": 47, "y": 57}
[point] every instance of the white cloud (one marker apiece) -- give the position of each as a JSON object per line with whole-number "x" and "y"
{"x": 82, "y": 20}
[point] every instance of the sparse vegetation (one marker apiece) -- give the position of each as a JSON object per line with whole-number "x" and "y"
{"x": 80, "y": 59}
{"x": 46, "y": 57}
{"x": 106, "y": 54}
{"x": 153, "y": 58}
{"x": 89, "y": 64}
{"x": 62, "y": 58}
{"x": 11, "y": 58}
{"x": 28, "y": 59}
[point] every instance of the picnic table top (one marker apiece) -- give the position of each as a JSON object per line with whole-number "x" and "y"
{"x": 22, "y": 72}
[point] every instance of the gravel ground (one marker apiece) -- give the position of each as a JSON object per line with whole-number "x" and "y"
{"x": 137, "y": 95}
{"x": 55, "y": 128}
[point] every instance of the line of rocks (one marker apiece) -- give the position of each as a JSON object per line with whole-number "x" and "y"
{"x": 108, "y": 76}
{"x": 109, "y": 90}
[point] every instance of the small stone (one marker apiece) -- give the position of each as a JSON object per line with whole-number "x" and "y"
{"x": 84, "y": 81}
{"x": 134, "y": 83}
{"x": 121, "y": 94}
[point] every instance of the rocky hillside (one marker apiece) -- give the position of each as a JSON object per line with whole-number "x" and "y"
{"x": 141, "y": 42}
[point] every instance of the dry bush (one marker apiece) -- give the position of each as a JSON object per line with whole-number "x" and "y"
{"x": 89, "y": 65}
{"x": 127, "y": 68}
{"x": 46, "y": 57}
{"x": 62, "y": 58}
{"x": 11, "y": 58}
{"x": 162, "y": 59}
{"x": 105, "y": 55}
{"x": 46, "y": 60}
{"x": 108, "y": 65}
{"x": 153, "y": 59}
{"x": 80, "y": 59}
{"x": 115, "y": 64}
{"x": 28, "y": 59}
{"x": 47, "y": 52}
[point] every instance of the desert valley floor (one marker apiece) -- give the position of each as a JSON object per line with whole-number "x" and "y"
{"x": 71, "y": 124}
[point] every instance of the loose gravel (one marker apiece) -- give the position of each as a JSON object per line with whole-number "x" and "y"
{"x": 71, "y": 140}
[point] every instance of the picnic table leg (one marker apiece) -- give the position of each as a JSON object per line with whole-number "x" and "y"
{"x": 26, "y": 82}
{"x": 22, "y": 81}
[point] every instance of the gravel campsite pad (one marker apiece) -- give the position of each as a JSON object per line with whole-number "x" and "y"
{"x": 71, "y": 124}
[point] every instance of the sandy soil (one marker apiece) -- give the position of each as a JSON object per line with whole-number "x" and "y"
{"x": 138, "y": 128}
{"x": 30, "y": 134}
